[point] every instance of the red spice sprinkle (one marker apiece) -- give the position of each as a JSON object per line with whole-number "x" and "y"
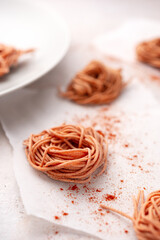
{"x": 104, "y": 109}
{"x": 72, "y": 202}
{"x": 140, "y": 168}
{"x": 94, "y": 124}
{"x": 61, "y": 189}
{"x": 126, "y": 231}
{"x": 135, "y": 156}
{"x": 98, "y": 190}
{"x": 154, "y": 77}
{"x": 91, "y": 199}
{"x": 65, "y": 214}
{"x": 56, "y": 217}
{"x": 117, "y": 121}
{"x": 86, "y": 188}
{"x": 102, "y": 214}
{"x": 73, "y": 188}
{"x": 122, "y": 180}
{"x": 100, "y": 209}
{"x": 126, "y": 145}
{"x": 109, "y": 197}
{"x": 56, "y": 232}
{"x": 111, "y": 135}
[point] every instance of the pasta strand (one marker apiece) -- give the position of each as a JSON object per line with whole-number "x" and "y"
{"x": 146, "y": 217}
{"x": 67, "y": 153}
{"x": 96, "y": 84}
{"x": 149, "y": 52}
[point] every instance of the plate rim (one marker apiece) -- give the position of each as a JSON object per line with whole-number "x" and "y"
{"x": 47, "y": 6}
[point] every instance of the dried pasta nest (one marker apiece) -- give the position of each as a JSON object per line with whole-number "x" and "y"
{"x": 9, "y": 57}
{"x": 146, "y": 221}
{"x": 96, "y": 84}
{"x": 146, "y": 218}
{"x": 149, "y": 52}
{"x": 67, "y": 153}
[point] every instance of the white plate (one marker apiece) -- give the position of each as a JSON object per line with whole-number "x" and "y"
{"x": 26, "y": 24}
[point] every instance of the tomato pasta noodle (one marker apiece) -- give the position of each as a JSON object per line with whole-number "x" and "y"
{"x": 67, "y": 153}
{"x": 96, "y": 84}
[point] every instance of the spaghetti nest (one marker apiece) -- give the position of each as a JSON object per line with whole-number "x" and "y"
{"x": 146, "y": 219}
{"x": 149, "y": 52}
{"x": 96, "y": 84}
{"x": 67, "y": 153}
{"x": 9, "y": 57}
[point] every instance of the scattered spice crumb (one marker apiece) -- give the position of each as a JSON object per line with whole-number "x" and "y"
{"x": 98, "y": 190}
{"x": 111, "y": 136}
{"x": 94, "y": 124}
{"x": 73, "y": 188}
{"x": 57, "y": 218}
{"x": 102, "y": 214}
{"x": 99, "y": 209}
{"x": 154, "y": 77}
{"x": 72, "y": 202}
{"x": 140, "y": 167}
{"x": 103, "y": 109}
{"x": 109, "y": 197}
{"x": 122, "y": 180}
{"x": 86, "y": 188}
{"x": 65, "y": 214}
{"x": 61, "y": 189}
{"x": 56, "y": 232}
{"x": 126, "y": 231}
{"x": 126, "y": 145}
{"x": 92, "y": 199}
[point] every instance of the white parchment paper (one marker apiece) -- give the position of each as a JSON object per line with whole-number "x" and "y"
{"x": 132, "y": 121}
{"x": 121, "y": 43}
